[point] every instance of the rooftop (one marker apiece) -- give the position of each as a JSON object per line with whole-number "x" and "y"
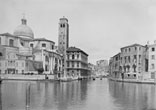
{"x": 8, "y": 34}
{"x": 43, "y": 39}
{"x": 74, "y": 49}
{"x": 133, "y": 45}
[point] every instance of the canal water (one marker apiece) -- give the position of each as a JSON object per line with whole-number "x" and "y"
{"x": 77, "y": 95}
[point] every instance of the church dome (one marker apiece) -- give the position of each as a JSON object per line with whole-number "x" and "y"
{"x": 23, "y": 30}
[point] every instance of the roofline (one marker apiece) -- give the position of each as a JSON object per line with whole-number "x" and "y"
{"x": 9, "y": 46}
{"x": 79, "y": 50}
{"x": 8, "y": 34}
{"x": 132, "y": 46}
{"x": 116, "y": 55}
{"x": 42, "y": 39}
{"x": 53, "y": 52}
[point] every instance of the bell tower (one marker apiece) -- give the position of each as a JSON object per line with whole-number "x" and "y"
{"x": 63, "y": 40}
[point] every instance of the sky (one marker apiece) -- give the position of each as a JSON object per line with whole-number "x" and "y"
{"x": 98, "y": 27}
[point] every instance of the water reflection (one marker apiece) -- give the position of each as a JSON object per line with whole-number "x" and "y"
{"x": 76, "y": 95}
{"x": 130, "y": 96}
{"x": 42, "y": 95}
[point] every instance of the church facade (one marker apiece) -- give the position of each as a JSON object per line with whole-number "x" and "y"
{"x": 21, "y": 53}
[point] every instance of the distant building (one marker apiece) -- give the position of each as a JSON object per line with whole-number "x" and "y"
{"x": 92, "y": 69}
{"x": 133, "y": 61}
{"x": 102, "y": 67}
{"x": 77, "y": 62}
{"x": 114, "y": 66}
{"x": 21, "y": 53}
{"x": 152, "y": 60}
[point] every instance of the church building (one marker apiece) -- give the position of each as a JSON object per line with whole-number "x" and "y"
{"x": 21, "y": 53}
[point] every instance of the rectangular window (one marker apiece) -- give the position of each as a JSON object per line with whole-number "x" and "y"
{"x": 153, "y": 57}
{"x": 11, "y": 42}
{"x": 31, "y": 45}
{"x": 135, "y": 57}
{"x": 135, "y": 48}
{"x": 22, "y": 71}
{"x": 52, "y": 47}
{"x": 72, "y": 64}
{"x": 134, "y": 75}
{"x": 152, "y": 75}
{"x": 78, "y": 64}
{"x": 73, "y": 57}
{"x": 67, "y": 64}
{"x": 152, "y": 66}
{"x": 125, "y": 59}
{"x": 125, "y": 50}
{"x": 43, "y": 45}
{"x": 77, "y": 56}
{"x": 129, "y": 59}
{"x": 68, "y": 57}
{"x": 153, "y": 49}
{"x": 22, "y": 64}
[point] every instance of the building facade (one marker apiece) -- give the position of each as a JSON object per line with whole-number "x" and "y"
{"x": 77, "y": 62}
{"x": 102, "y": 67}
{"x": 21, "y": 53}
{"x": 152, "y": 60}
{"x": 114, "y": 66}
{"x": 133, "y": 61}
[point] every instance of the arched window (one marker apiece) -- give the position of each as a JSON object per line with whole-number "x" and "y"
{"x": 11, "y": 42}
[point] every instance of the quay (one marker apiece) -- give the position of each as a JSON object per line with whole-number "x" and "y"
{"x": 40, "y": 77}
{"x": 145, "y": 81}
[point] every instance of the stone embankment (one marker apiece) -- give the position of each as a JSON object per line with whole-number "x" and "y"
{"x": 143, "y": 81}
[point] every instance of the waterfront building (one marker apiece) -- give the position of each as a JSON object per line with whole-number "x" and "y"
{"x": 92, "y": 69}
{"x": 21, "y": 53}
{"x": 44, "y": 51}
{"x": 63, "y": 41}
{"x": 114, "y": 66}
{"x": 133, "y": 61}
{"x": 102, "y": 67}
{"x": 77, "y": 62}
{"x": 151, "y": 54}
